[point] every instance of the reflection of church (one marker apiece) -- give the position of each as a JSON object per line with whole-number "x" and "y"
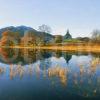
{"x": 67, "y": 56}
{"x": 30, "y": 55}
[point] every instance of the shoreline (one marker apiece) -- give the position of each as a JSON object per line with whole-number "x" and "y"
{"x": 79, "y": 48}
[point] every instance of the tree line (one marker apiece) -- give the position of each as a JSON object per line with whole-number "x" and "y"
{"x": 31, "y": 38}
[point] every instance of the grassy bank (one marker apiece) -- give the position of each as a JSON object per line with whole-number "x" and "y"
{"x": 65, "y": 47}
{"x": 73, "y": 48}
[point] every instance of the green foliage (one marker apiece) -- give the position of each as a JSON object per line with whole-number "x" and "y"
{"x": 58, "y": 39}
{"x": 85, "y": 39}
{"x": 71, "y": 40}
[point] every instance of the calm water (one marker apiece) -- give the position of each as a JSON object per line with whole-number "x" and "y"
{"x": 27, "y": 74}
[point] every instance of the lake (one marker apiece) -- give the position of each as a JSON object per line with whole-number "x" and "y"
{"x": 30, "y": 74}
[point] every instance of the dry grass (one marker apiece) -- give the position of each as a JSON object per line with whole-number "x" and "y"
{"x": 69, "y": 47}
{"x": 86, "y": 48}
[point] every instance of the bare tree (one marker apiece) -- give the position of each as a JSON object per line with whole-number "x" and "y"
{"x": 96, "y": 35}
{"x": 45, "y": 28}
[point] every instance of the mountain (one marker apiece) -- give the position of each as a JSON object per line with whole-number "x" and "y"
{"x": 24, "y": 29}
{"x": 20, "y": 29}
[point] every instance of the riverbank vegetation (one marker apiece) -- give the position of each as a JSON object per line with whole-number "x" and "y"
{"x": 26, "y": 37}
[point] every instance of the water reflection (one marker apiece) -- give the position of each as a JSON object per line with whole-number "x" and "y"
{"x": 59, "y": 72}
{"x": 79, "y": 74}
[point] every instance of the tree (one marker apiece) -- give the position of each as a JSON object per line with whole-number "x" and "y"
{"x": 45, "y": 28}
{"x": 29, "y": 38}
{"x": 96, "y": 35}
{"x": 10, "y": 38}
{"x": 85, "y": 39}
{"x": 58, "y": 39}
{"x": 67, "y": 36}
{"x": 45, "y": 36}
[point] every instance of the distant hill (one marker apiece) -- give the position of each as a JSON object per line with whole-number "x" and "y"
{"x": 24, "y": 29}
{"x": 20, "y": 29}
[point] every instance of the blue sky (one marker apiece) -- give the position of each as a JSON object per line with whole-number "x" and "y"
{"x": 79, "y": 16}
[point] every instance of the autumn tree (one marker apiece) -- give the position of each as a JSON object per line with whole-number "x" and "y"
{"x": 29, "y": 38}
{"x": 10, "y": 38}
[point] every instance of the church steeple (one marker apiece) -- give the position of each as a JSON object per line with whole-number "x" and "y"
{"x": 67, "y": 35}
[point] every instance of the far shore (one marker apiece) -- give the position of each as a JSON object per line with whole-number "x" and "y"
{"x": 81, "y": 48}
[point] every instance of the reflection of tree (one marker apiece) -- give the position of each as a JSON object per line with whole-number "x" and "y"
{"x": 94, "y": 64}
{"x": 8, "y": 55}
{"x": 59, "y": 72}
{"x": 9, "y": 38}
{"x": 45, "y": 64}
{"x": 66, "y": 55}
{"x": 32, "y": 55}
{"x": 79, "y": 80}
{"x": 26, "y": 56}
{"x": 96, "y": 55}
{"x": 18, "y": 70}
{"x": 29, "y": 55}
{"x": 58, "y": 54}
{"x": 2, "y": 70}
{"x": 46, "y": 54}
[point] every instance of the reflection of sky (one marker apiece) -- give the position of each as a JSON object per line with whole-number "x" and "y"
{"x": 76, "y": 83}
{"x": 6, "y": 74}
{"x": 61, "y": 62}
{"x": 74, "y": 63}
